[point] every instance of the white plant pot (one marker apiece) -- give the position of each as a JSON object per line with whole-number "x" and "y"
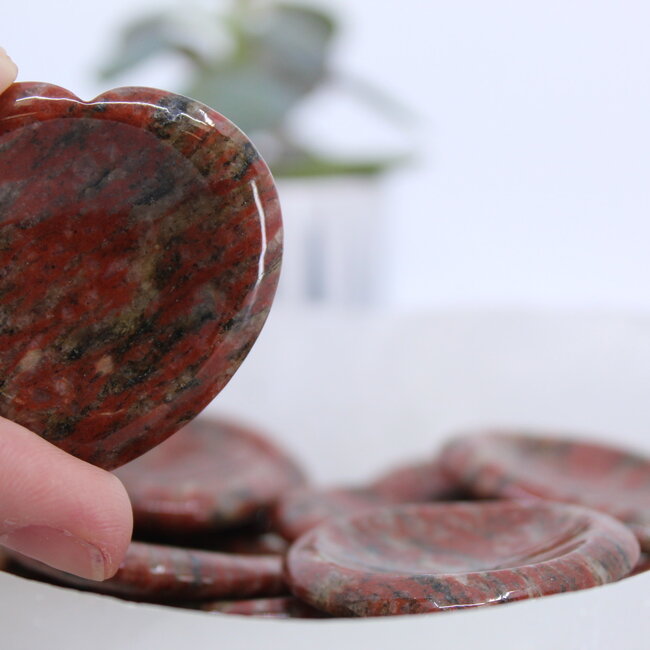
{"x": 332, "y": 238}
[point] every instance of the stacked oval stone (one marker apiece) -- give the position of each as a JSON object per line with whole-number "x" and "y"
{"x": 226, "y": 523}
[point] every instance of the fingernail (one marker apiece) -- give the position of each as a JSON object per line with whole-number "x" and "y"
{"x": 58, "y": 549}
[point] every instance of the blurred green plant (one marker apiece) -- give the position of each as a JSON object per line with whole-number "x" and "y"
{"x": 255, "y": 61}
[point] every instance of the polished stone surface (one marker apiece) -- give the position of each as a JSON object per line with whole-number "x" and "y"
{"x": 417, "y": 482}
{"x": 153, "y": 573}
{"x": 140, "y": 244}
{"x": 280, "y": 607}
{"x": 642, "y": 565}
{"x": 301, "y": 510}
{"x": 413, "y": 559}
{"x": 212, "y": 475}
{"x": 251, "y": 544}
{"x": 508, "y": 464}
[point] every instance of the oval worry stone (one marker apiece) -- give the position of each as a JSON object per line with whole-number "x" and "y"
{"x": 279, "y": 607}
{"x": 507, "y": 465}
{"x": 211, "y": 475}
{"x": 305, "y": 508}
{"x": 154, "y": 573}
{"x": 251, "y": 543}
{"x": 140, "y": 245}
{"x": 413, "y": 559}
{"x": 417, "y": 482}
{"x": 642, "y": 565}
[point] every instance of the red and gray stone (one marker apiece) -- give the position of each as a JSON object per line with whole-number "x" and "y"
{"x": 414, "y": 559}
{"x": 167, "y": 574}
{"x": 251, "y": 539}
{"x": 513, "y": 465}
{"x": 212, "y": 475}
{"x": 303, "y": 509}
{"x": 279, "y": 607}
{"x": 642, "y": 565}
{"x": 140, "y": 246}
{"x": 416, "y": 483}
{"x": 252, "y": 544}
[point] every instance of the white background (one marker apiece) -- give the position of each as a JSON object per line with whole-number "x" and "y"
{"x": 532, "y": 181}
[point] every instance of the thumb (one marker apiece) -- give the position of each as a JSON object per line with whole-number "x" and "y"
{"x": 53, "y": 507}
{"x": 8, "y": 71}
{"x": 58, "y": 509}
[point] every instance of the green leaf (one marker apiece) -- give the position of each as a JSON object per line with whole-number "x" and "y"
{"x": 150, "y": 36}
{"x": 310, "y": 165}
{"x": 293, "y": 42}
{"x": 281, "y": 57}
{"x": 254, "y": 62}
{"x": 246, "y": 93}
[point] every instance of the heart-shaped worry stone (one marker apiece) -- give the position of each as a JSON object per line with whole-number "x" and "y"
{"x": 140, "y": 246}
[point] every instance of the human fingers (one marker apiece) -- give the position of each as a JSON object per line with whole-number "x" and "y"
{"x": 8, "y": 71}
{"x": 58, "y": 509}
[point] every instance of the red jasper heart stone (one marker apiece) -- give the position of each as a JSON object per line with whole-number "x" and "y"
{"x": 140, "y": 246}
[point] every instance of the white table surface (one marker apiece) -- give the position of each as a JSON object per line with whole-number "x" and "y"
{"x": 351, "y": 395}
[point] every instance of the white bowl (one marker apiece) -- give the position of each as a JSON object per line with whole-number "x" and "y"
{"x": 352, "y": 394}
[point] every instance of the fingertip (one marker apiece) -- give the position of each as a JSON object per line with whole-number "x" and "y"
{"x": 58, "y": 509}
{"x": 118, "y": 529}
{"x": 8, "y": 70}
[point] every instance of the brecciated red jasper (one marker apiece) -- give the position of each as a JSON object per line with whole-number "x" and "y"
{"x": 300, "y": 510}
{"x": 152, "y": 573}
{"x": 502, "y": 464}
{"x": 280, "y": 607}
{"x": 213, "y": 474}
{"x": 140, "y": 245}
{"x": 413, "y": 559}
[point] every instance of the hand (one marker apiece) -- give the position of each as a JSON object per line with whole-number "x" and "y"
{"x": 53, "y": 507}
